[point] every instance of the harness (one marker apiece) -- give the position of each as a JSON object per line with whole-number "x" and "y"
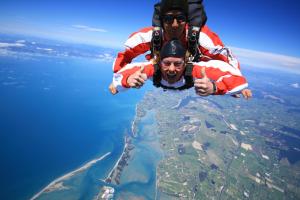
{"x": 192, "y": 40}
{"x": 156, "y": 42}
{"x": 188, "y": 77}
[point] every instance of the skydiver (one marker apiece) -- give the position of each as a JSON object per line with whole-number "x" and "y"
{"x": 173, "y": 15}
{"x": 213, "y": 77}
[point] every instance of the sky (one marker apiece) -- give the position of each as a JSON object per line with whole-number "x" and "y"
{"x": 269, "y": 26}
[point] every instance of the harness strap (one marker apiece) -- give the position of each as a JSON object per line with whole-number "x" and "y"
{"x": 156, "y": 41}
{"x": 193, "y": 42}
{"x": 156, "y": 76}
{"x": 188, "y": 76}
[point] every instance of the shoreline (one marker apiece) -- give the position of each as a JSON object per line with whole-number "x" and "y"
{"x": 118, "y": 168}
{"x": 53, "y": 185}
{"x": 115, "y": 166}
{"x": 110, "y": 176}
{"x": 133, "y": 128}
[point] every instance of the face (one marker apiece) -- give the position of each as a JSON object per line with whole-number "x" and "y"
{"x": 172, "y": 69}
{"x": 174, "y": 23}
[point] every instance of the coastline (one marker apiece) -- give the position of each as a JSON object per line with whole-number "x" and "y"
{"x": 120, "y": 174}
{"x": 115, "y": 174}
{"x": 57, "y": 183}
{"x": 115, "y": 166}
{"x": 133, "y": 126}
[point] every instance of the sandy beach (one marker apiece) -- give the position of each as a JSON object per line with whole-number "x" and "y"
{"x": 133, "y": 130}
{"x": 57, "y": 183}
{"x": 115, "y": 166}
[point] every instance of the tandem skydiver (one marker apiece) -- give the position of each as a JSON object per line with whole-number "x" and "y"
{"x": 174, "y": 17}
{"x": 213, "y": 77}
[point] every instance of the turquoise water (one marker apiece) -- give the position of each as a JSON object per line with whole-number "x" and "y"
{"x": 55, "y": 115}
{"x": 139, "y": 177}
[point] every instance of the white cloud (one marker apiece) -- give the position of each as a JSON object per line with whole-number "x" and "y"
{"x": 90, "y": 29}
{"x": 295, "y": 85}
{"x": 20, "y": 41}
{"x": 106, "y": 57}
{"x": 267, "y": 60}
{"x": 4, "y": 45}
{"x": 45, "y": 49}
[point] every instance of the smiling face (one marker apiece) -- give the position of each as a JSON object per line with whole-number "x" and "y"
{"x": 172, "y": 69}
{"x": 174, "y": 24}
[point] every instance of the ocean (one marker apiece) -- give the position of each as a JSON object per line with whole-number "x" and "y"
{"x": 56, "y": 114}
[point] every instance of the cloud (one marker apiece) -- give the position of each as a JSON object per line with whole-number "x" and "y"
{"x": 20, "y": 41}
{"x": 267, "y": 60}
{"x": 295, "y": 85}
{"x": 90, "y": 29}
{"x": 34, "y": 52}
{"x": 4, "y": 45}
{"x": 45, "y": 49}
{"x": 105, "y": 57}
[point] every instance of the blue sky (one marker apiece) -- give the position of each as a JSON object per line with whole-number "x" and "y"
{"x": 266, "y": 25}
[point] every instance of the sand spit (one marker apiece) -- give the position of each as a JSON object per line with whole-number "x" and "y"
{"x": 57, "y": 183}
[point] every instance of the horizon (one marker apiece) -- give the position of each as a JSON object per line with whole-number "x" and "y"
{"x": 80, "y": 23}
{"x": 247, "y": 57}
{"x": 87, "y": 22}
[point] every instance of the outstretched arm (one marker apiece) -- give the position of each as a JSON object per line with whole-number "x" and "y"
{"x": 137, "y": 79}
{"x": 212, "y": 47}
{"x": 132, "y": 75}
{"x": 137, "y": 44}
{"x": 219, "y": 78}
{"x": 204, "y": 86}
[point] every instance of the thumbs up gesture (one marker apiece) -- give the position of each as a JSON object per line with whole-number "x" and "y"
{"x": 137, "y": 79}
{"x": 203, "y": 86}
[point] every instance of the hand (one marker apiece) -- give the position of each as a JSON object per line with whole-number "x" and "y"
{"x": 113, "y": 90}
{"x": 247, "y": 94}
{"x": 137, "y": 79}
{"x": 203, "y": 86}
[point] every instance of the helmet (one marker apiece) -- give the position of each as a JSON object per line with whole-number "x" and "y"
{"x": 172, "y": 48}
{"x": 168, "y": 5}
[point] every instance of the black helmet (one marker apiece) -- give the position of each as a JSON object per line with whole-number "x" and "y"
{"x": 173, "y": 48}
{"x": 168, "y": 5}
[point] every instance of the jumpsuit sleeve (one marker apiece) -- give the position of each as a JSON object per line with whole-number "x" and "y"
{"x": 228, "y": 80}
{"x": 138, "y": 43}
{"x": 212, "y": 47}
{"x": 120, "y": 78}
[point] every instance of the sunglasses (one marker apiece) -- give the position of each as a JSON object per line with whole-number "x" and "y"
{"x": 170, "y": 18}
